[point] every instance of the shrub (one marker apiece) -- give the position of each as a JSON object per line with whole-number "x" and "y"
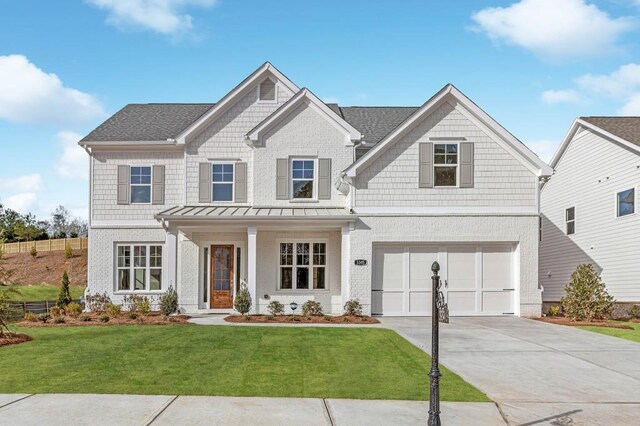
{"x": 586, "y": 297}
{"x": 68, "y": 251}
{"x": 132, "y": 315}
{"x": 242, "y": 302}
{"x": 73, "y": 309}
{"x": 169, "y": 302}
{"x": 104, "y": 318}
{"x": 44, "y": 317}
{"x": 31, "y": 317}
{"x": 5, "y": 274}
{"x": 33, "y": 252}
{"x": 138, "y": 303}
{"x": 98, "y": 302}
{"x": 56, "y": 311}
{"x": 7, "y": 312}
{"x": 353, "y": 307}
{"x": 275, "y": 308}
{"x": 85, "y": 317}
{"x": 554, "y": 311}
{"x": 64, "y": 297}
{"x": 311, "y": 307}
{"x": 114, "y": 310}
{"x": 634, "y": 312}
{"x": 58, "y": 319}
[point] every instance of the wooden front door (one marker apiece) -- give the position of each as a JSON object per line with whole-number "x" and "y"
{"x": 222, "y": 276}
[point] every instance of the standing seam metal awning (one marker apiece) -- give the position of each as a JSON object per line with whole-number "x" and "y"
{"x": 251, "y": 213}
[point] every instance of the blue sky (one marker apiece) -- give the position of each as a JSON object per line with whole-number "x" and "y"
{"x": 65, "y": 66}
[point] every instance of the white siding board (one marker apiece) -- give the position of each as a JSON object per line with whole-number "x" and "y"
{"x": 611, "y": 244}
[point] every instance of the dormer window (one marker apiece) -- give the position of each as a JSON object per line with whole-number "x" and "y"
{"x": 267, "y": 91}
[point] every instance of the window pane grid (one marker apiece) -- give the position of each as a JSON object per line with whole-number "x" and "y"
{"x": 222, "y": 182}
{"x": 445, "y": 160}
{"x": 302, "y": 177}
{"x": 143, "y": 272}
{"x": 570, "y": 218}
{"x": 140, "y": 184}
{"x": 306, "y": 268}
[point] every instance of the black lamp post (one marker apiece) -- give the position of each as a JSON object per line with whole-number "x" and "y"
{"x": 439, "y": 312}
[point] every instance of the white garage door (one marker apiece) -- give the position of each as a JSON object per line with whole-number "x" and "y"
{"x": 479, "y": 279}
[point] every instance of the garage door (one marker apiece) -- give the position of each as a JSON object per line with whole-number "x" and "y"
{"x": 477, "y": 280}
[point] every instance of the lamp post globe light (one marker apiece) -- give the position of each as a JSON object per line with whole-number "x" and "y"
{"x": 293, "y": 306}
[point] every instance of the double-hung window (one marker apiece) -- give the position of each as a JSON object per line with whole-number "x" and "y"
{"x": 140, "y": 184}
{"x": 445, "y": 164}
{"x": 570, "y": 219}
{"x": 139, "y": 267}
{"x": 626, "y": 202}
{"x": 303, "y": 266}
{"x": 303, "y": 178}
{"x": 222, "y": 182}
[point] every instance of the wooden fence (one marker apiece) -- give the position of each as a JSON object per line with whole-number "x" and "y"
{"x": 45, "y": 245}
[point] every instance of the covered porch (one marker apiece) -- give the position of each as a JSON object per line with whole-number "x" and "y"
{"x": 284, "y": 254}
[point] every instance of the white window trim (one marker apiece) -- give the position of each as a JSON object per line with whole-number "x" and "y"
{"x": 314, "y": 197}
{"x": 566, "y": 221}
{"x": 327, "y": 258}
{"x": 635, "y": 202}
{"x": 457, "y": 165}
{"x": 150, "y": 185}
{"x": 147, "y": 268}
{"x": 233, "y": 181}
{"x": 268, "y": 101}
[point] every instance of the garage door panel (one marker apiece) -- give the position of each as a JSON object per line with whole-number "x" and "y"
{"x": 496, "y": 268}
{"x": 420, "y": 261}
{"x": 499, "y": 302}
{"x": 461, "y": 301}
{"x": 387, "y": 302}
{"x": 420, "y": 303}
{"x": 461, "y": 268}
{"x": 389, "y": 269}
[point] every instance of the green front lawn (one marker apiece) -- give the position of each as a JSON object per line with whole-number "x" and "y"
{"x": 633, "y": 335}
{"x": 34, "y": 293}
{"x": 223, "y": 360}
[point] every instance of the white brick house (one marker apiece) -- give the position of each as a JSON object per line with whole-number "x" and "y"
{"x": 306, "y": 200}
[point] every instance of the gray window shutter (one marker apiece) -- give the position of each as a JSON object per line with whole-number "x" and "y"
{"x": 124, "y": 173}
{"x": 466, "y": 165}
{"x": 204, "y": 183}
{"x": 425, "y": 165}
{"x": 324, "y": 179}
{"x": 158, "y": 185}
{"x": 282, "y": 179}
{"x": 240, "y": 182}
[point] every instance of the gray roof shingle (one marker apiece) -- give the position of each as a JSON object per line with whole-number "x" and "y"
{"x": 147, "y": 122}
{"x": 159, "y": 122}
{"x": 627, "y": 128}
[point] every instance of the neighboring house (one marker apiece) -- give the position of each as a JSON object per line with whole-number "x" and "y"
{"x": 589, "y": 211}
{"x": 306, "y": 200}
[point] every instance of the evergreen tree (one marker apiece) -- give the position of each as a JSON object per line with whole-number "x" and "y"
{"x": 64, "y": 297}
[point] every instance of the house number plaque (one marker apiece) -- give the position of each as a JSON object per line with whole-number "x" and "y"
{"x": 360, "y": 262}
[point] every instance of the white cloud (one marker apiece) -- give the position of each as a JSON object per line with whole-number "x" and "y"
{"x": 26, "y": 183}
{"x": 73, "y": 162}
{"x": 544, "y": 148}
{"x": 22, "y": 202}
{"x": 562, "y": 96}
{"x": 29, "y": 95}
{"x": 632, "y": 107}
{"x": 619, "y": 83}
{"x": 330, "y": 100}
{"x": 161, "y": 16}
{"x": 552, "y": 28}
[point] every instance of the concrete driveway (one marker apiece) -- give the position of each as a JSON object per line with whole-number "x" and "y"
{"x": 538, "y": 373}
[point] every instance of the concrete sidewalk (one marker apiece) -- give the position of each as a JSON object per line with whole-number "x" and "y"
{"x": 92, "y": 409}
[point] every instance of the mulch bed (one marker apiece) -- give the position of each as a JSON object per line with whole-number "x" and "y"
{"x": 151, "y": 319}
{"x": 304, "y": 319}
{"x": 567, "y": 321}
{"x": 13, "y": 339}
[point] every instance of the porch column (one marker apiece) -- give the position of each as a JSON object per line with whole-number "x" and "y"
{"x": 172, "y": 257}
{"x": 251, "y": 266}
{"x": 345, "y": 264}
